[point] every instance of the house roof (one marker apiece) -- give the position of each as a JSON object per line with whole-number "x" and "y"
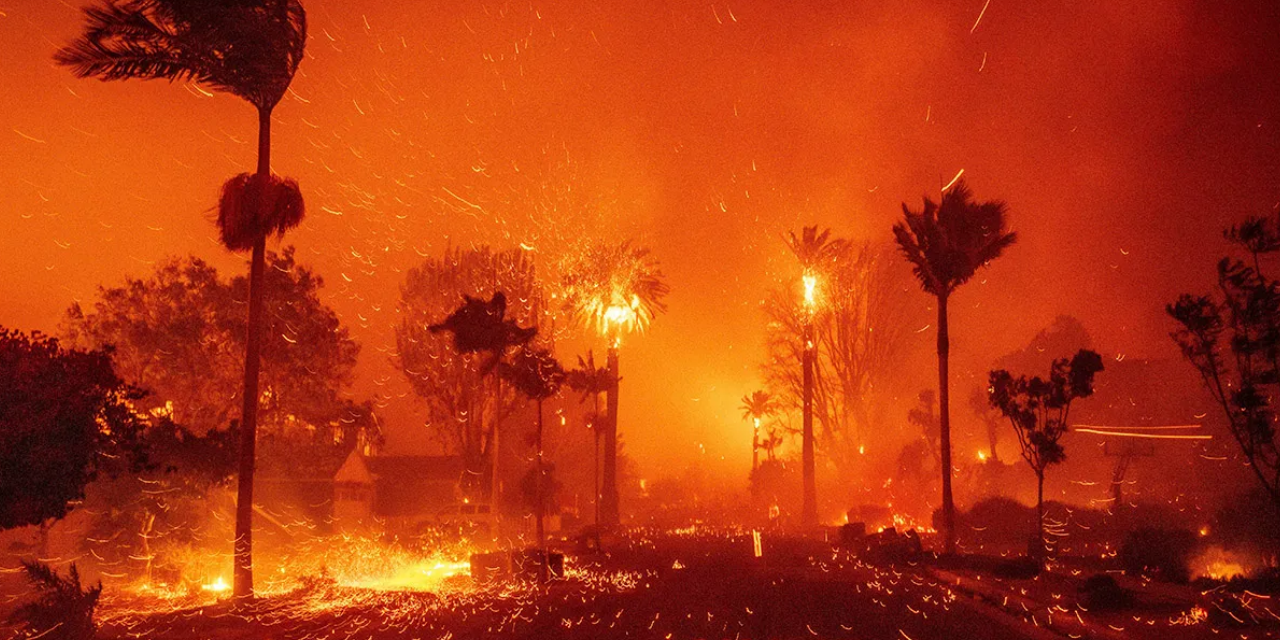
{"x": 406, "y": 485}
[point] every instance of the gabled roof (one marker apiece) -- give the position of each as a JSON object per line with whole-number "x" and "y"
{"x": 406, "y": 485}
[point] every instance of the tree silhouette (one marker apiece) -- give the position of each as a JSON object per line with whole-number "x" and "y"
{"x": 613, "y": 289}
{"x": 179, "y": 333}
{"x": 1234, "y": 342}
{"x": 467, "y": 409}
{"x": 538, "y": 375}
{"x": 65, "y": 417}
{"x": 756, "y": 406}
{"x": 924, "y": 417}
{"x": 946, "y": 244}
{"x": 480, "y": 325}
{"x": 591, "y": 381}
{"x": 1039, "y": 409}
{"x": 250, "y": 49}
{"x": 477, "y": 327}
{"x": 990, "y": 419}
{"x": 816, "y": 252}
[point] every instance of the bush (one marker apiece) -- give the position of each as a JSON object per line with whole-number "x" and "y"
{"x": 1101, "y": 592}
{"x": 993, "y": 521}
{"x": 1017, "y": 568}
{"x": 63, "y": 610}
{"x": 1164, "y": 554}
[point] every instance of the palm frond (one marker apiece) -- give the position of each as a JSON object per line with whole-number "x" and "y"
{"x": 947, "y": 242}
{"x": 253, "y": 207}
{"x": 814, "y": 249}
{"x": 249, "y": 49}
{"x": 622, "y": 278}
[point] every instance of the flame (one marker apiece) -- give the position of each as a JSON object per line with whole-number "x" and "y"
{"x": 428, "y": 575}
{"x": 1217, "y": 563}
{"x": 217, "y": 586}
{"x": 810, "y": 290}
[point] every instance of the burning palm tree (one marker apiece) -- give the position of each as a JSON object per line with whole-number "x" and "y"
{"x": 756, "y": 406}
{"x": 946, "y": 244}
{"x": 816, "y": 252}
{"x": 250, "y": 49}
{"x": 613, "y": 289}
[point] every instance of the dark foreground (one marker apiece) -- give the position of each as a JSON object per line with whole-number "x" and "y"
{"x": 695, "y": 586}
{"x": 691, "y": 585}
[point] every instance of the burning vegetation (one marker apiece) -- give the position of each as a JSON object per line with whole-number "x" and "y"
{"x": 414, "y": 419}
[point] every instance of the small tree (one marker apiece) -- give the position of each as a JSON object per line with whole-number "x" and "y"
{"x": 1243, "y": 375}
{"x": 591, "y": 381}
{"x": 467, "y": 409}
{"x": 756, "y": 406}
{"x": 925, "y": 417}
{"x": 1038, "y": 410}
{"x": 538, "y": 375}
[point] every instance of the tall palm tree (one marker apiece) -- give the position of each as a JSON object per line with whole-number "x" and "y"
{"x": 591, "y": 381}
{"x": 250, "y": 49}
{"x": 538, "y": 375}
{"x": 756, "y": 406}
{"x": 817, "y": 252}
{"x": 946, "y": 244}
{"x": 613, "y": 289}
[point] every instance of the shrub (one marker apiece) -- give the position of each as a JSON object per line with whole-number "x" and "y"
{"x": 1161, "y": 553}
{"x": 63, "y": 609}
{"x": 1101, "y": 592}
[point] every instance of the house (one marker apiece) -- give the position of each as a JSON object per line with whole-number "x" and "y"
{"x": 400, "y": 492}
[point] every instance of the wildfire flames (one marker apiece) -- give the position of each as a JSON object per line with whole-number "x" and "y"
{"x": 1217, "y": 563}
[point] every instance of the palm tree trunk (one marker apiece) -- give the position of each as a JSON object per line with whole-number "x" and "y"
{"x": 243, "y": 564}
{"x": 809, "y": 510}
{"x": 495, "y": 451}
{"x": 609, "y": 491}
{"x": 944, "y": 408}
{"x": 755, "y": 448}
{"x": 541, "y": 506}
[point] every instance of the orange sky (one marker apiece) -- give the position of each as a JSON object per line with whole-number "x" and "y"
{"x": 1124, "y": 137}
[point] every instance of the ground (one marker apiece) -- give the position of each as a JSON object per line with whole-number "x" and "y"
{"x": 685, "y": 584}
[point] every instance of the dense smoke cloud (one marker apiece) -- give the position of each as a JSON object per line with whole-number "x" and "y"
{"x": 1124, "y": 136}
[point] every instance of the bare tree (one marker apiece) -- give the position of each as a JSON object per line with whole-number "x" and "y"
{"x": 861, "y": 330}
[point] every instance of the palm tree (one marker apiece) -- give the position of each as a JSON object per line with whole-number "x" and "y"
{"x": 613, "y": 289}
{"x": 591, "y": 381}
{"x": 946, "y": 244}
{"x": 538, "y": 375}
{"x": 250, "y": 49}
{"x": 756, "y": 406}
{"x": 816, "y": 252}
{"x": 480, "y": 326}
